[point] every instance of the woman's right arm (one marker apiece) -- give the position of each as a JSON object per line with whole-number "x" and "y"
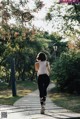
{"x": 36, "y": 66}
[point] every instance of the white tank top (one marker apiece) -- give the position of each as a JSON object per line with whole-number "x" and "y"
{"x": 43, "y": 68}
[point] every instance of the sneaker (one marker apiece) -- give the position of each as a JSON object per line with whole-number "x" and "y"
{"x": 42, "y": 110}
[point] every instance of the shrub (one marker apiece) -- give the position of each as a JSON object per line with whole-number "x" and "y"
{"x": 66, "y": 71}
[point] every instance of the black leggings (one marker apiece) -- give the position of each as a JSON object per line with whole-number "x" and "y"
{"x": 43, "y": 82}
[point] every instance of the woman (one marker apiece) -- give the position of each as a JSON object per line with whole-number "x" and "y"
{"x": 43, "y": 68}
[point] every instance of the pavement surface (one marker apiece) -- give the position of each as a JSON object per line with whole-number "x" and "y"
{"x": 29, "y": 107}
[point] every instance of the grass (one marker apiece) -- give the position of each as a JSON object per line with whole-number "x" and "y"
{"x": 68, "y": 101}
{"x": 23, "y": 88}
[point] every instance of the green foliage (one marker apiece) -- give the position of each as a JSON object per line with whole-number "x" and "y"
{"x": 48, "y": 17}
{"x": 23, "y": 48}
{"x": 65, "y": 100}
{"x": 11, "y": 9}
{"x": 66, "y": 72}
{"x": 23, "y": 88}
{"x": 66, "y": 17}
{"x": 56, "y": 41}
{"x": 2, "y": 48}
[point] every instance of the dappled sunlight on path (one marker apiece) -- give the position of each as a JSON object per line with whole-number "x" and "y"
{"x": 28, "y": 107}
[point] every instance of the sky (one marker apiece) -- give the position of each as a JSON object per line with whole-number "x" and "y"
{"x": 40, "y": 16}
{"x": 39, "y": 20}
{"x": 55, "y": 25}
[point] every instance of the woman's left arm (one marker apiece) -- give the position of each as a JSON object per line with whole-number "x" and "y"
{"x": 48, "y": 66}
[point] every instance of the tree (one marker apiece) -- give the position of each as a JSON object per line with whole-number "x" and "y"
{"x": 10, "y": 9}
{"x": 66, "y": 18}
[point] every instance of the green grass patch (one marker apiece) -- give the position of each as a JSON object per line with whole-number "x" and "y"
{"x": 30, "y": 85}
{"x": 23, "y": 88}
{"x": 9, "y": 100}
{"x": 68, "y": 101}
{"x": 3, "y": 86}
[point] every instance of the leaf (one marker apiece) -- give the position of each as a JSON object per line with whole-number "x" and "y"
{"x": 48, "y": 16}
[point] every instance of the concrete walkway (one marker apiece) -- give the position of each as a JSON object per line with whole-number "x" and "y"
{"x": 28, "y": 107}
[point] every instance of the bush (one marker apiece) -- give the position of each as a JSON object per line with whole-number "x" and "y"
{"x": 66, "y": 71}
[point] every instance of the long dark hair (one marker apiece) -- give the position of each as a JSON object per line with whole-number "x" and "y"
{"x": 41, "y": 56}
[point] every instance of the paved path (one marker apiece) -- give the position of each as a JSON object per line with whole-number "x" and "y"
{"x": 28, "y": 107}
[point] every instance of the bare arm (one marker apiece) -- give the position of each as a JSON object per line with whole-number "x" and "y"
{"x": 36, "y": 66}
{"x": 48, "y": 66}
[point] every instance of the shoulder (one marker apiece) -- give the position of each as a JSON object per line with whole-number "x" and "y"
{"x": 37, "y": 62}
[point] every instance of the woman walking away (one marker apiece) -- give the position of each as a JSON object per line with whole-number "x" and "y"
{"x": 43, "y": 68}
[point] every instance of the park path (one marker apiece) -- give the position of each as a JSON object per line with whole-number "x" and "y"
{"x": 28, "y": 107}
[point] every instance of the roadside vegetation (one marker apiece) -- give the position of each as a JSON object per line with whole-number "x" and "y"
{"x": 23, "y": 88}
{"x": 66, "y": 76}
{"x": 65, "y": 100}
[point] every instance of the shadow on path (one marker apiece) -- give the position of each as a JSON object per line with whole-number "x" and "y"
{"x": 29, "y": 107}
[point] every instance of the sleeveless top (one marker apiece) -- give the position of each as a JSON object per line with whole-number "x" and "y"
{"x": 43, "y": 68}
